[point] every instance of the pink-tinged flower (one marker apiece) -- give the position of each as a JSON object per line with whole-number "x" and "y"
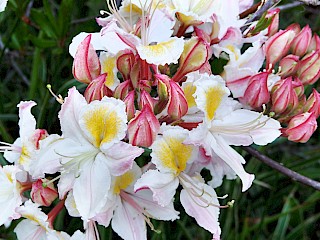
{"x": 313, "y": 103}
{"x": 129, "y": 100}
{"x": 301, "y": 127}
{"x": 277, "y": 46}
{"x": 91, "y": 150}
{"x": 274, "y": 25}
{"x": 172, "y": 158}
{"x": 125, "y": 63}
{"x": 97, "y": 89}
{"x": 143, "y": 128}
{"x": 86, "y": 64}
{"x": 130, "y": 211}
{"x": 43, "y": 195}
{"x": 229, "y": 126}
{"x": 22, "y": 151}
{"x": 309, "y": 68}
{"x": 300, "y": 43}
{"x": 288, "y": 65}
{"x": 283, "y": 96}
{"x": 314, "y": 44}
{"x": 244, "y": 5}
{"x": 195, "y": 54}
{"x": 257, "y": 92}
{"x": 10, "y": 197}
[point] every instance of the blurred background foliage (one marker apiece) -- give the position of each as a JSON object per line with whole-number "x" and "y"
{"x": 34, "y": 40}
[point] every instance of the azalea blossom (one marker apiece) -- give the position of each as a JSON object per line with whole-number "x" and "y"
{"x": 3, "y": 4}
{"x": 90, "y": 150}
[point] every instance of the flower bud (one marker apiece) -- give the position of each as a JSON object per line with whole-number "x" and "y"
{"x": 97, "y": 89}
{"x": 283, "y": 96}
{"x": 125, "y": 62}
{"x": 288, "y": 65}
{"x": 143, "y": 128}
{"x": 295, "y": 27}
{"x": 195, "y": 54}
{"x": 43, "y": 195}
{"x": 298, "y": 87}
{"x": 301, "y": 127}
{"x": 146, "y": 99}
{"x": 257, "y": 92}
{"x": 130, "y": 107}
{"x": 313, "y": 103}
{"x": 301, "y": 42}
{"x": 38, "y": 135}
{"x": 86, "y": 64}
{"x": 309, "y": 68}
{"x": 314, "y": 44}
{"x": 277, "y": 46}
{"x": 177, "y": 105}
{"x": 163, "y": 92}
{"x": 274, "y": 25}
{"x": 123, "y": 89}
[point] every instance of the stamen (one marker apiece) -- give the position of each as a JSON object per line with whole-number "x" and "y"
{"x": 58, "y": 98}
{"x": 45, "y": 184}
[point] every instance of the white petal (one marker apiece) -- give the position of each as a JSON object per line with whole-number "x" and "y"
{"x": 120, "y": 157}
{"x": 29, "y": 230}
{"x": 206, "y": 216}
{"x": 163, "y": 186}
{"x": 3, "y": 4}
{"x": 91, "y": 188}
{"x": 162, "y": 53}
{"x": 27, "y": 122}
{"x": 128, "y": 223}
{"x": 234, "y": 160}
{"x": 96, "y": 41}
{"x": 69, "y": 116}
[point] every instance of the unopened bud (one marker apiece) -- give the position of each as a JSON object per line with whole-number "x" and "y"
{"x": 130, "y": 106}
{"x": 314, "y": 44}
{"x": 146, "y": 99}
{"x": 123, "y": 89}
{"x": 301, "y": 127}
{"x": 125, "y": 62}
{"x": 313, "y": 103}
{"x": 177, "y": 105}
{"x": 143, "y": 128}
{"x": 309, "y": 68}
{"x": 43, "y": 195}
{"x": 86, "y": 64}
{"x": 97, "y": 89}
{"x": 301, "y": 42}
{"x": 288, "y": 65}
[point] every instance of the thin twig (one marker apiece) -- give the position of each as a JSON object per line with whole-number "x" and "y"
{"x": 286, "y": 171}
{"x": 289, "y": 6}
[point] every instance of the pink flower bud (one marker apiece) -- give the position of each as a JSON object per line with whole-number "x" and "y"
{"x": 294, "y": 27}
{"x": 143, "y": 128}
{"x": 86, "y": 64}
{"x": 38, "y": 135}
{"x": 123, "y": 89}
{"x": 177, "y": 105}
{"x": 314, "y": 44}
{"x": 257, "y": 92}
{"x": 130, "y": 107}
{"x": 163, "y": 92}
{"x": 313, "y": 103}
{"x": 97, "y": 89}
{"x": 283, "y": 96}
{"x": 301, "y": 42}
{"x": 288, "y": 65}
{"x": 43, "y": 195}
{"x": 125, "y": 62}
{"x": 195, "y": 54}
{"x": 277, "y": 46}
{"x": 298, "y": 87}
{"x": 301, "y": 127}
{"x": 309, "y": 68}
{"x": 146, "y": 99}
{"x": 274, "y": 25}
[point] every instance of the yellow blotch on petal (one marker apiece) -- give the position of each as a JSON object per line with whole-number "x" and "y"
{"x": 189, "y": 90}
{"x": 132, "y": 8}
{"x": 234, "y": 51}
{"x": 122, "y": 182}
{"x": 174, "y": 154}
{"x": 214, "y": 97}
{"x": 25, "y": 155}
{"x": 102, "y": 124}
{"x": 107, "y": 67}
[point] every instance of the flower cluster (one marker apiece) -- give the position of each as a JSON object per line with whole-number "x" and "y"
{"x": 151, "y": 95}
